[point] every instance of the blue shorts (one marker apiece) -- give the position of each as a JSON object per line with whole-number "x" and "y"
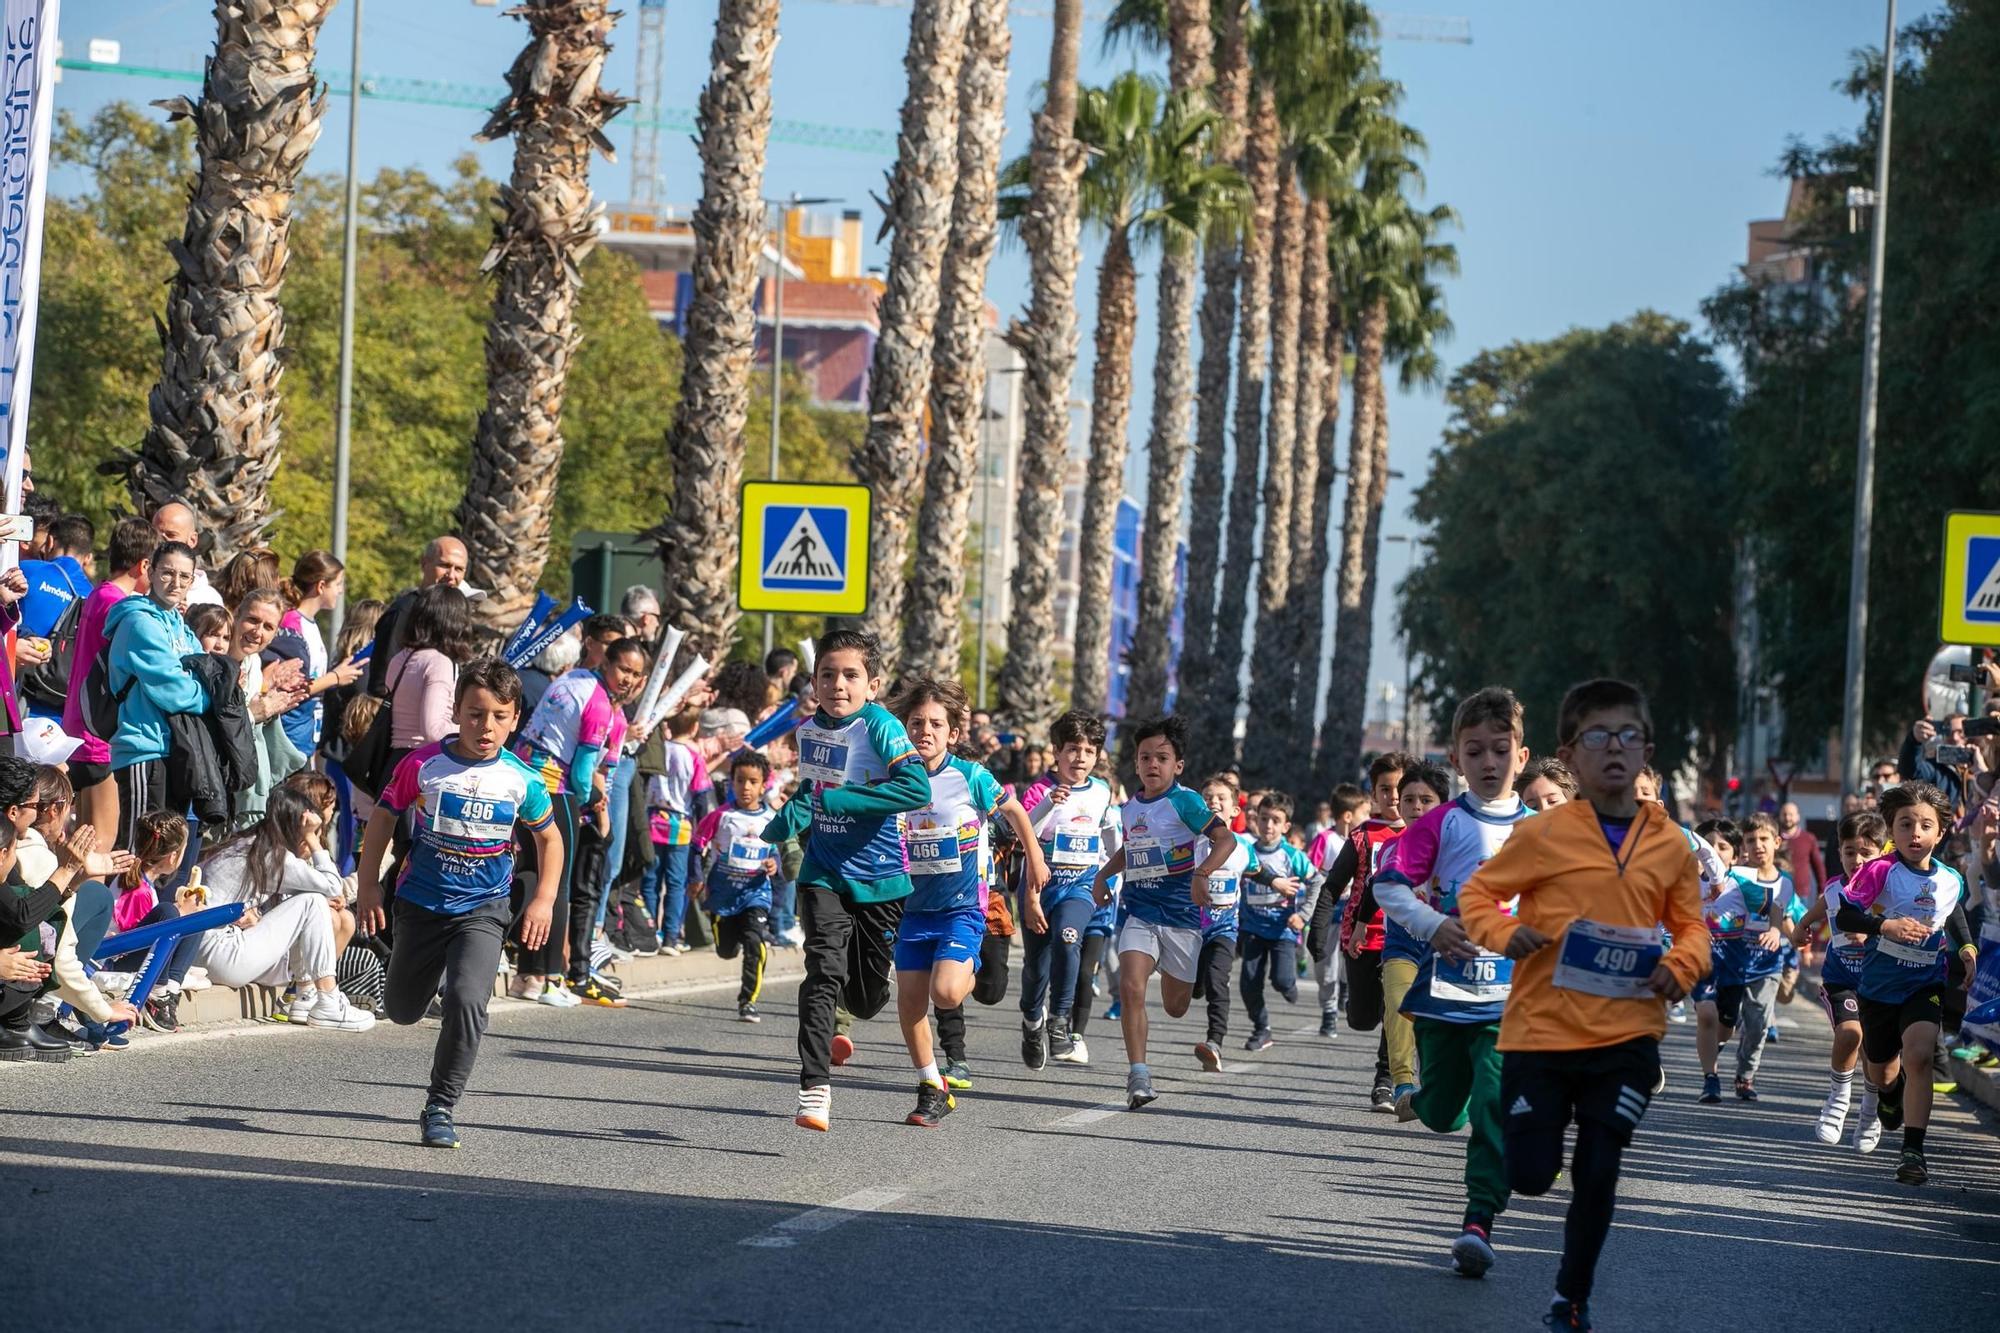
{"x": 925, "y": 939}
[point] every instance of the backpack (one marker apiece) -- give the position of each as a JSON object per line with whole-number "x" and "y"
{"x": 98, "y": 703}
{"x": 46, "y": 686}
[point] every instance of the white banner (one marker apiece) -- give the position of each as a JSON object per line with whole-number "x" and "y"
{"x": 27, "y": 47}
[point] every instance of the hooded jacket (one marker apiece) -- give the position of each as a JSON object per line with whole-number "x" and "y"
{"x": 146, "y": 643}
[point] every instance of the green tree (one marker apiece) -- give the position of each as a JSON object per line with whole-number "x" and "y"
{"x": 1578, "y": 532}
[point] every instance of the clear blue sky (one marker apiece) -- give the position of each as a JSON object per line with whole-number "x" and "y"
{"x": 1605, "y": 157}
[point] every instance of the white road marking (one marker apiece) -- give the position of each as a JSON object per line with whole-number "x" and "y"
{"x": 815, "y": 1220}
{"x": 1091, "y": 1116}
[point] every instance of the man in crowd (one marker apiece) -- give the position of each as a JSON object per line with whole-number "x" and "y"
{"x": 1917, "y": 760}
{"x": 175, "y": 522}
{"x": 641, "y": 608}
{"x": 1808, "y": 859}
{"x": 443, "y": 562}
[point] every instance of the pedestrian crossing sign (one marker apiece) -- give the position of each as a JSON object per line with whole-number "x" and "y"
{"x": 804, "y": 548}
{"x": 1971, "y": 600}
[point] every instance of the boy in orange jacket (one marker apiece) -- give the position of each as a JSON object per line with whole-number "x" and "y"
{"x": 1580, "y": 1038}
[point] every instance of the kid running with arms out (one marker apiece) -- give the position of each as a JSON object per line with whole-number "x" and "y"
{"x": 1076, "y": 829}
{"x": 939, "y": 938}
{"x": 858, "y": 776}
{"x": 1913, "y": 906}
{"x": 1861, "y": 836}
{"x": 1219, "y": 926}
{"x": 465, "y": 795}
{"x": 738, "y": 889}
{"x": 1754, "y": 915}
{"x": 1270, "y": 920}
{"x": 1581, "y": 1037}
{"x": 1456, "y": 998}
{"x": 1173, "y": 843}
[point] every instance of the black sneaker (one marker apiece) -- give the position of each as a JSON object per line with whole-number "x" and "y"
{"x": 1034, "y": 1044}
{"x": 1260, "y": 1040}
{"x": 1711, "y": 1089}
{"x": 1472, "y": 1252}
{"x": 1890, "y": 1111}
{"x": 747, "y": 1013}
{"x": 162, "y": 1013}
{"x": 934, "y": 1103}
{"x": 1745, "y": 1090}
{"x": 439, "y": 1132}
{"x": 1568, "y": 1314}
{"x": 1061, "y": 1044}
{"x": 1329, "y": 1026}
{"x": 1913, "y": 1170}
{"x": 1382, "y": 1098}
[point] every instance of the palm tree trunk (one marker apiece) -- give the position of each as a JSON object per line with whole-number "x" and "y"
{"x": 1104, "y": 486}
{"x": 215, "y": 431}
{"x": 1190, "y": 44}
{"x": 921, "y": 190}
{"x": 1266, "y": 728}
{"x": 1220, "y": 269}
{"x": 1312, "y": 610}
{"x": 1310, "y": 503}
{"x": 1347, "y": 674}
{"x": 698, "y": 540}
{"x": 933, "y": 627}
{"x": 1216, "y": 743}
{"x": 1047, "y": 342}
{"x": 556, "y": 112}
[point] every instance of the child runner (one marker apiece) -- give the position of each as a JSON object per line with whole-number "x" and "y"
{"x": 1861, "y": 837}
{"x": 1913, "y": 906}
{"x": 1173, "y": 843}
{"x": 1269, "y": 921}
{"x": 1219, "y": 924}
{"x": 858, "y": 777}
{"x": 678, "y": 798}
{"x": 943, "y": 925}
{"x": 1075, "y": 829}
{"x": 1348, "y": 808}
{"x": 737, "y": 891}
{"x": 1581, "y": 1036}
{"x": 1754, "y": 915}
{"x": 1359, "y": 937}
{"x": 1545, "y": 784}
{"x": 1097, "y": 952}
{"x": 1725, "y": 844}
{"x": 1459, "y": 991}
{"x": 465, "y": 795}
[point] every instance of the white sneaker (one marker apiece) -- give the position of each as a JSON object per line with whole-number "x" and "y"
{"x": 1867, "y": 1129}
{"x": 1833, "y": 1116}
{"x": 557, "y": 996}
{"x": 300, "y": 1009}
{"x": 333, "y": 1011}
{"x": 815, "y": 1108}
{"x": 1079, "y": 1054}
{"x": 522, "y": 988}
{"x": 797, "y": 935}
{"x": 196, "y": 979}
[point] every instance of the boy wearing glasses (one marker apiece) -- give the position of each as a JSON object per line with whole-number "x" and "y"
{"x": 1593, "y": 882}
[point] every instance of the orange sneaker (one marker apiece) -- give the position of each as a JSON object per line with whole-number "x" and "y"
{"x": 843, "y": 1051}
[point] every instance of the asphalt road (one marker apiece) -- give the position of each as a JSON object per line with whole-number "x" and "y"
{"x": 638, "y": 1168}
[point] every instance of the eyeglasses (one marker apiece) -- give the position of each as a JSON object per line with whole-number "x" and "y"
{"x": 1885, "y": 775}
{"x": 1600, "y": 738}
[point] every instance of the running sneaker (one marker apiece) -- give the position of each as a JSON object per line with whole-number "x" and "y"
{"x": 1079, "y": 1054}
{"x": 1382, "y": 1098}
{"x": 1889, "y": 1114}
{"x": 1139, "y": 1088}
{"x": 607, "y": 982}
{"x": 1405, "y": 1101}
{"x": 522, "y": 988}
{"x": 1472, "y": 1252}
{"x": 1061, "y": 1043}
{"x": 593, "y": 992}
{"x": 1568, "y": 1314}
{"x": 1913, "y": 1170}
{"x": 958, "y": 1074}
{"x": 1867, "y": 1126}
{"x": 934, "y": 1103}
{"x": 815, "y": 1107}
{"x": 746, "y": 1012}
{"x": 438, "y": 1130}
{"x": 1329, "y": 1026}
{"x": 1833, "y": 1115}
{"x": 162, "y": 1013}
{"x": 1711, "y": 1089}
{"x": 1034, "y": 1044}
{"x": 1944, "y": 1087}
{"x": 842, "y": 1049}
{"x": 557, "y": 996}
{"x": 1260, "y": 1040}
{"x": 1746, "y": 1091}
{"x": 1771, "y": 1035}
{"x": 1678, "y": 1013}
{"x": 299, "y": 1008}
{"x": 106, "y": 1038}
{"x": 333, "y": 1011}
{"x": 1210, "y": 1057}
{"x": 1111, "y": 1014}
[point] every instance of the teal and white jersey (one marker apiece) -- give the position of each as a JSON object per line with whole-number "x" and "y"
{"x": 1163, "y": 844}
{"x": 950, "y": 854}
{"x": 855, "y": 751}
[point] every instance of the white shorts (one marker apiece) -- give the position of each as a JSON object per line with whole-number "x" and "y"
{"x": 1174, "y": 948}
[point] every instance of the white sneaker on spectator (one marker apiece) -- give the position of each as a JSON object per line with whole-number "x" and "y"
{"x": 117, "y": 985}
{"x": 333, "y": 1011}
{"x": 300, "y": 1010}
{"x": 522, "y": 988}
{"x": 557, "y": 995}
{"x": 196, "y": 979}
{"x": 796, "y": 934}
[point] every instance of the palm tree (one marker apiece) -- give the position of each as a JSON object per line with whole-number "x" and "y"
{"x": 1401, "y": 311}
{"x": 932, "y": 625}
{"x": 1148, "y": 180}
{"x": 917, "y": 214}
{"x": 698, "y": 540}
{"x": 215, "y": 429}
{"x": 1310, "y": 620}
{"x": 1047, "y": 342}
{"x": 556, "y": 111}
{"x": 1190, "y": 44}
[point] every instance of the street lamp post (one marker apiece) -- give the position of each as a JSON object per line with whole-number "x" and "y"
{"x": 786, "y": 207}
{"x": 343, "y": 417}
{"x": 1864, "y": 463}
